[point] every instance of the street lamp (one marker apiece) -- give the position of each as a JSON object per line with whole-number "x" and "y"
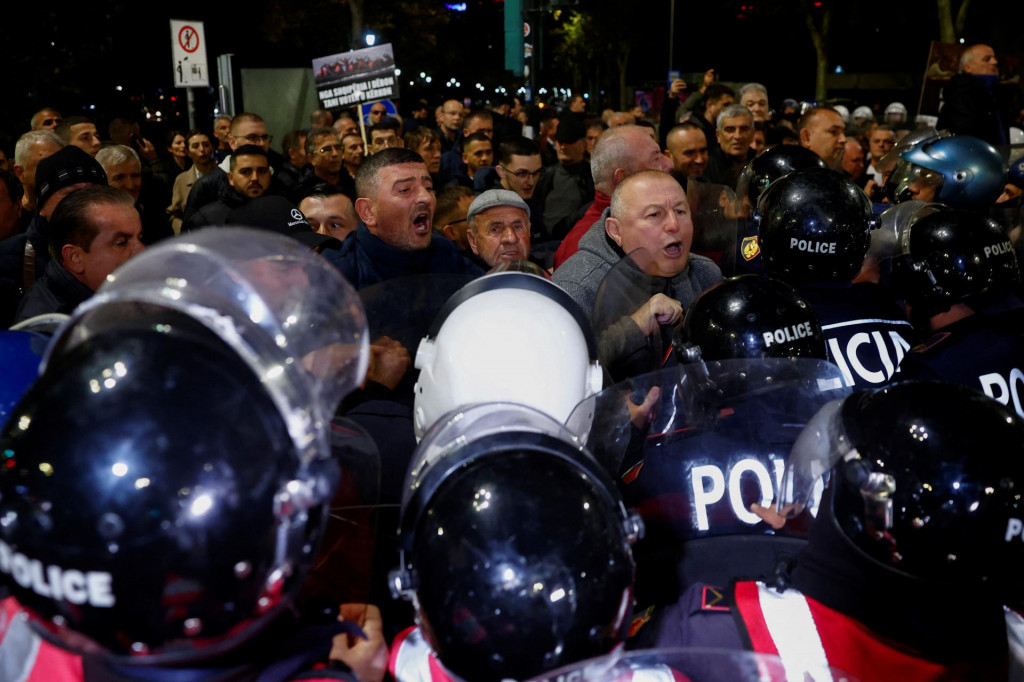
{"x": 370, "y": 38}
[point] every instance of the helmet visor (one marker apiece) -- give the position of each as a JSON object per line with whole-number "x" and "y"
{"x": 284, "y": 309}
{"x": 819, "y": 446}
{"x": 910, "y": 181}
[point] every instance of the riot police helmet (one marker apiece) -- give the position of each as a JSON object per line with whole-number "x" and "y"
{"x": 959, "y": 170}
{"x": 925, "y": 482}
{"x": 166, "y": 480}
{"x": 753, "y": 316}
{"x": 773, "y": 163}
{"x": 509, "y": 336}
{"x": 515, "y": 546}
{"x": 814, "y": 226}
{"x": 952, "y": 256}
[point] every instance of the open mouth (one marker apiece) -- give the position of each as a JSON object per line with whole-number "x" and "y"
{"x": 421, "y": 223}
{"x": 673, "y": 250}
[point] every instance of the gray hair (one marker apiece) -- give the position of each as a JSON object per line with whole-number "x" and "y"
{"x": 316, "y": 134}
{"x": 752, "y": 87}
{"x": 967, "y": 56}
{"x": 732, "y": 111}
{"x": 115, "y": 155}
{"x": 34, "y": 137}
{"x": 612, "y": 150}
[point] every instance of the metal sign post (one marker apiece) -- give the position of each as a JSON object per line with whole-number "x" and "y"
{"x": 188, "y": 59}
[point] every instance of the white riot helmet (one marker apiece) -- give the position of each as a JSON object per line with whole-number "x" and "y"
{"x": 843, "y": 112}
{"x": 896, "y": 114}
{"x": 510, "y": 337}
{"x": 862, "y": 115}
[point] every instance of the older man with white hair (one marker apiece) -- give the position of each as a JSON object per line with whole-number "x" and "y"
{"x": 973, "y": 103}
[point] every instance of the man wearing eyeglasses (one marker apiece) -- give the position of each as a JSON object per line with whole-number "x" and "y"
{"x": 247, "y": 129}
{"x": 519, "y": 166}
{"x": 378, "y": 112}
{"x": 324, "y": 151}
{"x": 519, "y": 169}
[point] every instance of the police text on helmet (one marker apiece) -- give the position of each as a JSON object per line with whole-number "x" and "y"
{"x": 54, "y": 582}
{"x": 998, "y": 249}
{"x": 811, "y": 246}
{"x": 790, "y": 333}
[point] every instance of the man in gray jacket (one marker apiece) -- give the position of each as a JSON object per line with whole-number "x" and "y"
{"x": 649, "y": 218}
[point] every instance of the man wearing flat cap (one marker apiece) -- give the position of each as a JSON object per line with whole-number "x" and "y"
{"x": 24, "y": 257}
{"x": 499, "y": 227}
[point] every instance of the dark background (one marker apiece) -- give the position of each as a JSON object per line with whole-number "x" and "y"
{"x": 73, "y": 55}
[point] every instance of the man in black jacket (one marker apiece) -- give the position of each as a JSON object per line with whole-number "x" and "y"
{"x": 93, "y": 231}
{"x": 249, "y": 178}
{"x": 972, "y": 100}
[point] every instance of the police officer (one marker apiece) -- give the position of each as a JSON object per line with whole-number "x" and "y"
{"x": 515, "y": 550}
{"x": 914, "y": 552}
{"x": 958, "y": 274}
{"x": 814, "y": 230}
{"x": 767, "y": 167}
{"x": 959, "y": 170}
{"x": 167, "y": 478}
{"x": 509, "y": 336}
{"x": 755, "y": 375}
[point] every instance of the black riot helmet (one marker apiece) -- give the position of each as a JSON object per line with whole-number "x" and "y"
{"x": 926, "y": 482}
{"x": 814, "y": 226}
{"x": 773, "y": 163}
{"x": 953, "y": 256}
{"x": 167, "y": 479}
{"x": 751, "y": 316}
{"x": 515, "y": 546}
{"x": 140, "y": 487}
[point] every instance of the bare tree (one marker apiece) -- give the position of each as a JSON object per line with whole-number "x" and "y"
{"x": 950, "y": 30}
{"x": 819, "y": 36}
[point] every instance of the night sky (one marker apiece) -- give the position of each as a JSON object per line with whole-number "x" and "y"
{"x": 74, "y": 55}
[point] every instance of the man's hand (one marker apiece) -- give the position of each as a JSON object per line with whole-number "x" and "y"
{"x": 389, "y": 361}
{"x": 709, "y": 78}
{"x": 367, "y": 658}
{"x": 641, "y": 415}
{"x": 772, "y": 517}
{"x": 659, "y": 310}
{"x": 677, "y": 87}
{"x": 146, "y": 149}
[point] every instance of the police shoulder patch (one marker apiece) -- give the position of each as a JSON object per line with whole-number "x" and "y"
{"x": 713, "y": 599}
{"x": 750, "y": 248}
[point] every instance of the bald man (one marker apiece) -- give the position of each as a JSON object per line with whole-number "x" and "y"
{"x": 823, "y": 132}
{"x": 974, "y": 103}
{"x": 648, "y": 210}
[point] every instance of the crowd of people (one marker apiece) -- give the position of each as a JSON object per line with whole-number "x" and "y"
{"x": 734, "y": 373}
